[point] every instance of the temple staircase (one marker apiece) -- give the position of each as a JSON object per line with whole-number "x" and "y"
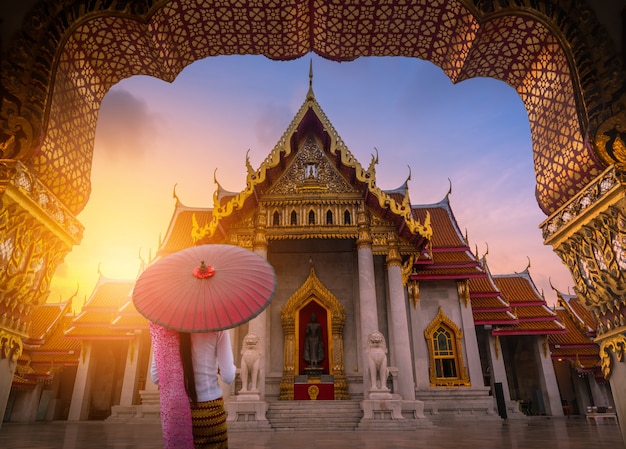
{"x": 314, "y": 415}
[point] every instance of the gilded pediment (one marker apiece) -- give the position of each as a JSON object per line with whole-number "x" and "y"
{"x": 312, "y": 171}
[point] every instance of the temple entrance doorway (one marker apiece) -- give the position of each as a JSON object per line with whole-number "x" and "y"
{"x": 313, "y": 320}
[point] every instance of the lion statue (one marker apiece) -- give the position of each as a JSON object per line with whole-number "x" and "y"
{"x": 250, "y": 363}
{"x": 377, "y": 360}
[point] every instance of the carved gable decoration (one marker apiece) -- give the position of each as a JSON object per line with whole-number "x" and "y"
{"x": 310, "y": 169}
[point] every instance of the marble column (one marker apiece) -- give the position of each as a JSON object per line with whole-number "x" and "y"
{"x": 367, "y": 290}
{"x": 420, "y": 346}
{"x": 131, "y": 371}
{"x": 81, "y": 396}
{"x": 472, "y": 354}
{"x": 26, "y": 405}
{"x": 547, "y": 377}
{"x": 399, "y": 322}
{"x": 617, "y": 381}
{"x": 498, "y": 370}
{"x": 12, "y": 346}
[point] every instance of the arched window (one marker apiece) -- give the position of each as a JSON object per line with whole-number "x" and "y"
{"x": 294, "y": 217}
{"x": 346, "y": 217}
{"x": 444, "y": 353}
{"x": 445, "y": 348}
{"x": 311, "y": 217}
{"x": 329, "y": 217}
{"x": 276, "y": 219}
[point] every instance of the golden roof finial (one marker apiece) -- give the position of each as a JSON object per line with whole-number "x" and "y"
{"x": 310, "y": 95}
{"x": 174, "y": 193}
{"x": 248, "y": 165}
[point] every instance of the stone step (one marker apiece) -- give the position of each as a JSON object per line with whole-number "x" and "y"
{"x": 309, "y": 415}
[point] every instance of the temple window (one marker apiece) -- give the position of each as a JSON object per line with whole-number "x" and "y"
{"x": 311, "y": 217}
{"x": 347, "y": 219}
{"x": 445, "y": 350}
{"x": 444, "y": 353}
{"x": 276, "y": 219}
{"x": 294, "y": 218}
{"x": 329, "y": 217}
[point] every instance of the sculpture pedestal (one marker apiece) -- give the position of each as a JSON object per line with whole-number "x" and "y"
{"x": 247, "y": 413}
{"x": 388, "y": 411}
{"x": 249, "y": 396}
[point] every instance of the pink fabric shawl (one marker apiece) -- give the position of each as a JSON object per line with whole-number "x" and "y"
{"x": 175, "y": 410}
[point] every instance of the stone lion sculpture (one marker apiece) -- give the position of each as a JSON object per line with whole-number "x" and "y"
{"x": 250, "y": 362}
{"x": 377, "y": 360}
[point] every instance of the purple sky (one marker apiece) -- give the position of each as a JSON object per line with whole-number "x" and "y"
{"x": 152, "y": 135}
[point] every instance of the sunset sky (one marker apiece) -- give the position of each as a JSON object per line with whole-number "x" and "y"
{"x": 153, "y": 135}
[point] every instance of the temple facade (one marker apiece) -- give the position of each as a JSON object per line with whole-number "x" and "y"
{"x": 382, "y": 313}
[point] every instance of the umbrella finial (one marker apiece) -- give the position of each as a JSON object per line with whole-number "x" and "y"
{"x": 203, "y": 271}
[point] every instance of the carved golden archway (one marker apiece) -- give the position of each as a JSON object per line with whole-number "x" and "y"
{"x": 313, "y": 290}
{"x": 441, "y": 321}
{"x": 58, "y": 65}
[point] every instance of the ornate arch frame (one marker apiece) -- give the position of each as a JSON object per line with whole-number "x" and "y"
{"x": 463, "y": 377}
{"x": 313, "y": 290}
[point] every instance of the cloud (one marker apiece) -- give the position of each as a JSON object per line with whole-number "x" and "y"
{"x": 272, "y": 122}
{"x": 126, "y": 126}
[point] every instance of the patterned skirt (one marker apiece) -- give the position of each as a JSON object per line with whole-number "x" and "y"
{"x": 209, "y": 425}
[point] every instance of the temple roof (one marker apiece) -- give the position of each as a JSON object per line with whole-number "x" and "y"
{"x": 95, "y": 320}
{"x": 310, "y": 120}
{"x": 128, "y": 318}
{"x": 46, "y": 351}
{"x": 448, "y": 255}
{"x": 528, "y": 305}
{"x": 179, "y": 233}
{"x": 577, "y": 345}
{"x": 45, "y": 318}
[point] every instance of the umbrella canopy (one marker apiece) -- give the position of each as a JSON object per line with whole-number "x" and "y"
{"x": 205, "y": 288}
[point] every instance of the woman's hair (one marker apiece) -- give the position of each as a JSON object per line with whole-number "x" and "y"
{"x": 185, "y": 355}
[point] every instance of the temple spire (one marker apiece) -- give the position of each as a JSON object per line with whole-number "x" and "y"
{"x": 310, "y": 95}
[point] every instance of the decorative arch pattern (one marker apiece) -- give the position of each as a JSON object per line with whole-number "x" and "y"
{"x": 313, "y": 290}
{"x": 447, "y": 366}
{"x": 553, "y": 54}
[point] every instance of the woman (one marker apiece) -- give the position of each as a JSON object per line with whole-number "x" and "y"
{"x": 203, "y": 358}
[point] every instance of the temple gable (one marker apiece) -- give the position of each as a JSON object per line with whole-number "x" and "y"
{"x": 310, "y": 170}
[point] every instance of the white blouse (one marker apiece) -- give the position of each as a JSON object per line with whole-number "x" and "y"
{"x": 209, "y": 351}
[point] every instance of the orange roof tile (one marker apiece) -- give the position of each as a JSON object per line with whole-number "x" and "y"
{"x": 454, "y": 257}
{"x": 518, "y": 288}
{"x": 129, "y": 318}
{"x": 531, "y": 328}
{"x": 538, "y": 312}
{"x": 446, "y": 232}
{"x": 45, "y": 318}
{"x": 583, "y": 316}
{"x": 178, "y": 235}
{"x": 574, "y": 335}
{"x": 499, "y": 317}
{"x": 488, "y": 302}
{"x": 95, "y": 320}
{"x": 534, "y": 315}
{"x": 482, "y": 285}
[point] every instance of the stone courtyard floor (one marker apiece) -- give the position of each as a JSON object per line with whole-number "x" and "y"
{"x": 551, "y": 433}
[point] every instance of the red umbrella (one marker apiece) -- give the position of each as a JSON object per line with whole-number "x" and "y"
{"x": 205, "y": 288}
